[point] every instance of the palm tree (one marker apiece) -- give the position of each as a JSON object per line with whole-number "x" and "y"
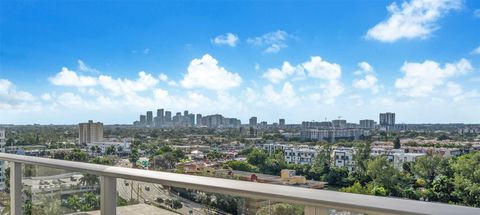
{"x": 88, "y": 180}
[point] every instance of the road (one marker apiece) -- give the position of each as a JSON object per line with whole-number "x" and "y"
{"x": 128, "y": 189}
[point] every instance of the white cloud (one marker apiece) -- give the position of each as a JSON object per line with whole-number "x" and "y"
{"x": 13, "y": 99}
{"x": 83, "y": 67}
{"x": 46, "y": 96}
{"x": 454, "y": 89}
{"x": 476, "y": 13}
{"x": 250, "y": 95}
{"x": 163, "y": 77}
{"x": 275, "y": 75}
{"x": 70, "y": 78}
{"x": 205, "y": 73}
{"x": 414, "y": 19}
{"x": 422, "y": 79}
{"x": 286, "y": 97}
{"x": 318, "y": 68}
{"x": 126, "y": 86}
{"x": 273, "y": 41}
{"x": 226, "y": 39}
{"x": 476, "y": 51}
{"x": 369, "y": 81}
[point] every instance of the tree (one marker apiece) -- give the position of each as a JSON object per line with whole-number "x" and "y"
{"x": 467, "y": 179}
{"x": 256, "y": 157}
{"x": 88, "y": 180}
{"x": 355, "y": 188}
{"x": 428, "y": 167}
{"x": 443, "y": 188}
{"x": 164, "y": 161}
{"x": 281, "y": 209}
{"x": 272, "y": 166}
{"x": 383, "y": 173}
{"x": 77, "y": 155}
{"x": 396, "y": 143}
{"x": 134, "y": 156}
{"x": 241, "y": 166}
{"x": 336, "y": 176}
{"x": 176, "y": 204}
{"x": 321, "y": 165}
{"x": 102, "y": 161}
{"x": 111, "y": 150}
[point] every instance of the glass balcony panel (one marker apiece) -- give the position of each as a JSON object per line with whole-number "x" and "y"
{"x": 52, "y": 191}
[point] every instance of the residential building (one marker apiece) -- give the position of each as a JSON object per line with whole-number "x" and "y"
{"x": 343, "y": 157}
{"x": 300, "y": 154}
{"x": 387, "y": 121}
{"x": 339, "y": 123}
{"x": 199, "y": 119}
{"x": 90, "y": 132}
{"x": 367, "y": 124}
{"x": 332, "y": 134}
{"x": 149, "y": 118}
{"x": 253, "y": 121}
{"x": 168, "y": 116}
{"x": 399, "y": 157}
{"x": 160, "y": 119}
{"x": 143, "y": 120}
{"x": 2, "y": 163}
{"x": 270, "y": 148}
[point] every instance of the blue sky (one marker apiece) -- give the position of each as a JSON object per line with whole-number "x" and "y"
{"x": 65, "y": 62}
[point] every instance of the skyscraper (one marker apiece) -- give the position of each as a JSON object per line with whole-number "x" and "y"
{"x": 143, "y": 120}
{"x": 90, "y": 132}
{"x": 281, "y": 122}
{"x": 387, "y": 119}
{"x": 149, "y": 118}
{"x": 160, "y": 118}
{"x": 168, "y": 116}
{"x": 339, "y": 123}
{"x": 367, "y": 124}
{"x": 185, "y": 113}
{"x": 253, "y": 121}
{"x": 2, "y": 163}
{"x": 199, "y": 119}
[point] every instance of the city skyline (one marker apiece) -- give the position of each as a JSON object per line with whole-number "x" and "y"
{"x": 301, "y": 61}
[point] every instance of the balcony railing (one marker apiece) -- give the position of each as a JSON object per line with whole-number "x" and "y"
{"x": 316, "y": 202}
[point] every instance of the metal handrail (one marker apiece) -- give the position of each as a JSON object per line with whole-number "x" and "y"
{"x": 304, "y": 196}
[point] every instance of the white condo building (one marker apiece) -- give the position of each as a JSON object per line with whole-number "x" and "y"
{"x": 343, "y": 157}
{"x": 90, "y": 132}
{"x": 399, "y": 157}
{"x": 300, "y": 154}
{"x": 2, "y": 163}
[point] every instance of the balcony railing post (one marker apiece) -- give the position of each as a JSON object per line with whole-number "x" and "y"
{"x": 309, "y": 210}
{"x": 16, "y": 189}
{"x": 108, "y": 198}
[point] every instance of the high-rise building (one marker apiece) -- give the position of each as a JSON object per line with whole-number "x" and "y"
{"x": 160, "y": 118}
{"x": 90, "y": 132}
{"x": 149, "y": 118}
{"x": 191, "y": 119}
{"x": 168, "y": 116}
{"x": 387, "y": 119}
{"x": 2, "y": 163}
{"x": 199, "y": 119}
{"x": 185, "y": 113}
{"x": 367, "y": 124}
{"x": 339, "y": 123}
{"x": 143, "y": 120}
{"x": 253, "y": 121}
{"x": 281, "y": 123}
